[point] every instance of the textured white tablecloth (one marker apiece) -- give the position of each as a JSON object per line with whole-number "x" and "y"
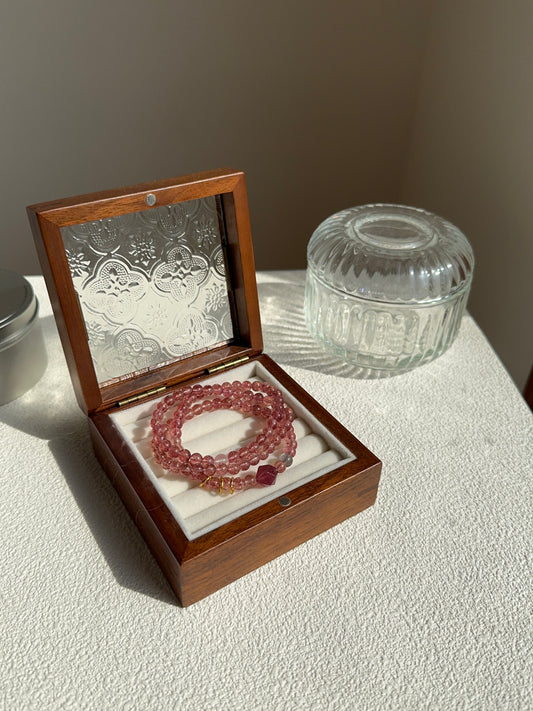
{"x": 423, "y": 601}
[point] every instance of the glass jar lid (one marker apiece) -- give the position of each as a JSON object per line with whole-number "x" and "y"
{"x": 18, "y": 306}
{"x": 391, "y": 253}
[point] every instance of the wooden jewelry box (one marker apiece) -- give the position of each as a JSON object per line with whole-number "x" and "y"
{"x": 153, "y": 289}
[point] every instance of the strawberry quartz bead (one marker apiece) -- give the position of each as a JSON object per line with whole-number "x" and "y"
{"x": 198, "y": 473}
{"x": 186, "y": 470}
{"x": 183, "y": 456}
{"x": 249, "y": 481}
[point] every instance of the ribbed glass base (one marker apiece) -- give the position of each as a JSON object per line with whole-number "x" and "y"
{"x": 381, "y": 337}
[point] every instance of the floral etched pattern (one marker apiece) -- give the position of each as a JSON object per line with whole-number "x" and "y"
{"x": 215, "y": 297}
{"x": 103, "y": 236}
{"x": 142, "y": 248}
{"x": 115, "y": 291}
{"x": 206, "y": 232}
{"x": 172, "y": 220}
{"x": 78, "y": 262}
{"x": 193, "y": 332}
{"x": 151, "y": 285}
{"x": 219, "y": 264}
{"x": 181, "y": 274}
{"x": 138, "y": 350}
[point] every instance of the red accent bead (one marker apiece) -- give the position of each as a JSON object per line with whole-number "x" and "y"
{"x": 266, "y": 475}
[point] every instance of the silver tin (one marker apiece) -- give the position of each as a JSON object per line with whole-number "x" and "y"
{"x": 22, "y": 350}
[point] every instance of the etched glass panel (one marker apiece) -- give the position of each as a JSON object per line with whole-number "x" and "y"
{"x": 152, "y": 285}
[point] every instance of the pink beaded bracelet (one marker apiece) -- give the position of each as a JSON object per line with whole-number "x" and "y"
{"x": 220, "y": 473}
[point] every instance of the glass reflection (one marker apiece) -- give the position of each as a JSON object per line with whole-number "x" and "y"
{"x": 152, "y": 285}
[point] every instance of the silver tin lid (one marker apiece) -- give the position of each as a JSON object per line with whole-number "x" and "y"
{"x": 18, "y": 307}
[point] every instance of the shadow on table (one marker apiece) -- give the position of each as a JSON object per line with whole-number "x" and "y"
{"x": 287, "y": 339}
{"x": 65, "y": 428}
{"x": 47, "y": 414}
{"x": 118, "y": 538}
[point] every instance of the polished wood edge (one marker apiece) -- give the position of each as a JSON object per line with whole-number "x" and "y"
{"x": 242, "y": 265}
{"x": 123, "y": 457}
{"x": 140, "y": 501}
{"x": 247, "y": 542}
{"x": 66, "y": 312}
{"x": 47, "y": 219}
{"x": 108, "y": 203}
{"x": 285, "y": 529}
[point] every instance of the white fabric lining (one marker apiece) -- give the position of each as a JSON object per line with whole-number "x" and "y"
{"x": 199, "y": 511}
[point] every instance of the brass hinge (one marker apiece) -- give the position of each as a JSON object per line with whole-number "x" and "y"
{"x": 141, "y": 396}
{"x": 228, "y": 364}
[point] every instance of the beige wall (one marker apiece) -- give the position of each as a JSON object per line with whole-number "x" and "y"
{"x": 312, "y": 99}
{"x": 315, "y": 101}
{"x": 471, "y": 158}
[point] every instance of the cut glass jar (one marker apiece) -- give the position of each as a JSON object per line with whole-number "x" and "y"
{"x": 386, "y": 286}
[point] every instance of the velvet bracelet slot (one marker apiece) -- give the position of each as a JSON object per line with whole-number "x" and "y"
{"x": 198, "y": 510}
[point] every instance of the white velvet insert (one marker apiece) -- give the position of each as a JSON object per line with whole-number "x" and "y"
{"x": 198, "y": 510}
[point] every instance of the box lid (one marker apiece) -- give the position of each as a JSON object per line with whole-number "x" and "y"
{"x": 150, "y": 284}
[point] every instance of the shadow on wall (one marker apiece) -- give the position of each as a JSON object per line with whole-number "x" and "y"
{"x": 49, "y": 412}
